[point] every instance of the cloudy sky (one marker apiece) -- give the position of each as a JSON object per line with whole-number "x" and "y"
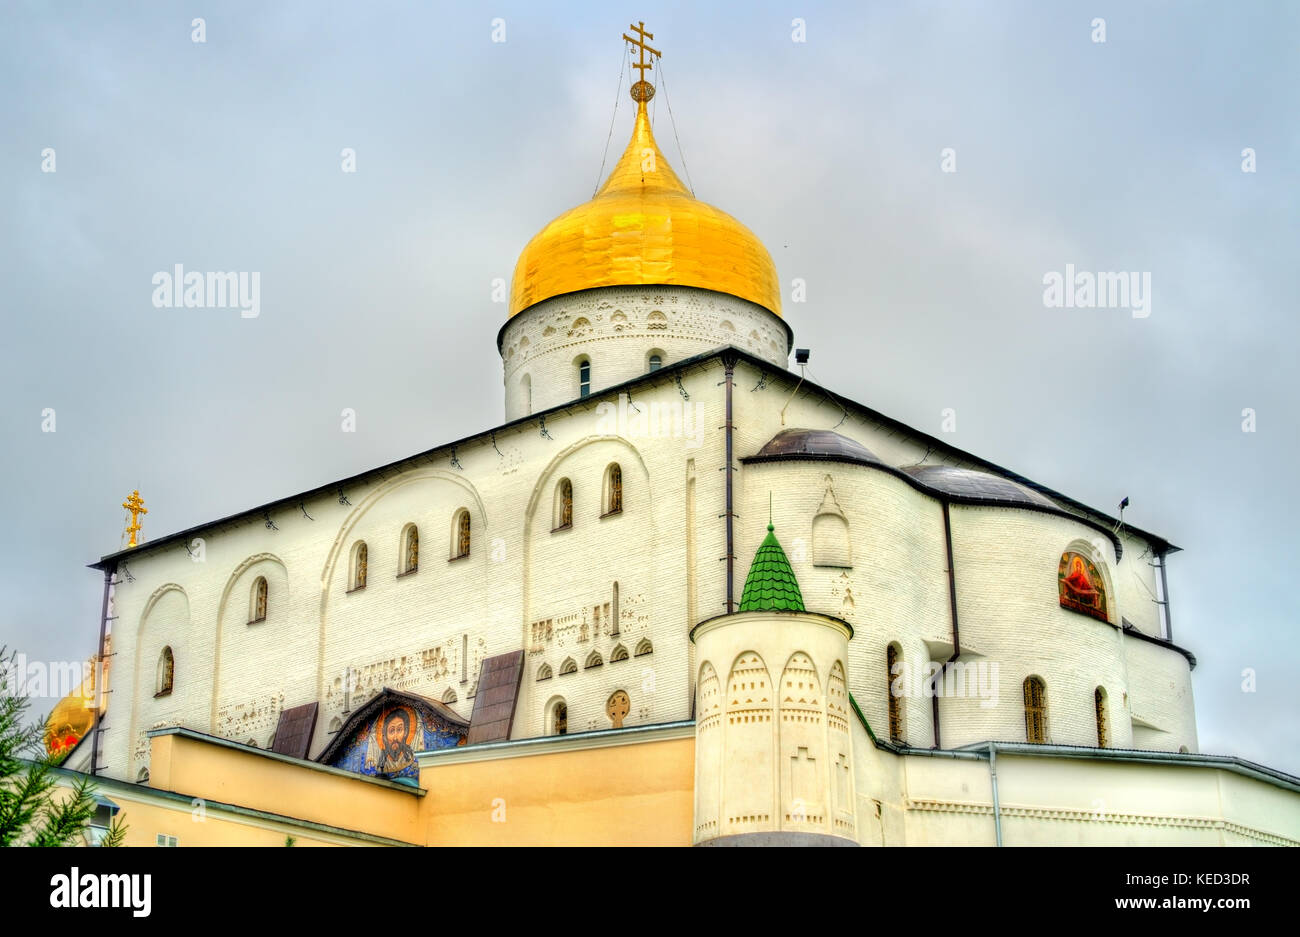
{"x": 924, "y": 287}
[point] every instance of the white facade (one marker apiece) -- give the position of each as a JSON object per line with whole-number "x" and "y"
{"x": 608, "y": 603}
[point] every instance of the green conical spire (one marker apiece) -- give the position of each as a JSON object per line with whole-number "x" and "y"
{"x": 770, "y": 585}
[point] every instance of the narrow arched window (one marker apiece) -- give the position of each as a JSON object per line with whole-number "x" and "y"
{"x": 166, "y": 672}
{"x": 460, "y": 535}
{"x": 559, "y": 718}
{"x": 1035, "y": 710}
{"x": 526, "y": 392}
{"x": 410, "y": 550}
{"x": 584, "y": 378}
{"x": 614, "y": 489}
{"x": 1099, "y": 704}
{"x": 656, "y": 362}
{"x": 257, "y": 609}
{"x": 894, "y": 687}
{"x": 563, "y": 504}
{"x": 360, "y": 565}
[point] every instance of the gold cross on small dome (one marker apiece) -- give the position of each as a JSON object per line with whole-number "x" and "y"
{"x": 642, "y": 90}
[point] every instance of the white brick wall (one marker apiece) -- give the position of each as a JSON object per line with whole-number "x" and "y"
{"x": 1006, "y": 563}
{"x": 419, "y": 632}
{"x": 233, "y": 677}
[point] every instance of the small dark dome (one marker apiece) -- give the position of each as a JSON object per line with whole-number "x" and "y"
{"x": 965, "y": 483}
{"x": 816, "y": 444}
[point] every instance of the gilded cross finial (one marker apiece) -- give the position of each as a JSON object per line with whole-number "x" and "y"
{"x": 134, "y": 504}
{"x": 642, "y": 90}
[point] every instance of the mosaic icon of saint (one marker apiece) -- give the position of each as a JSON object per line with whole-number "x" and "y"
{"x": 396, "y": 755}
{"x": 1077, "y": 581}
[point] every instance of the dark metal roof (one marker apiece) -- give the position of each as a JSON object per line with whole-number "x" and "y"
{"x": 960, "y": 486}
{"x": 968, "y": 483}
{"x": 815, "y": 444}
{"x": 497, "y": 695}
{"x": 294, "y": 731}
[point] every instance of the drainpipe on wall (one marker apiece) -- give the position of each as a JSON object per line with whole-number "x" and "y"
{"x": 102, "y": 664}
{"x": 993, "y": 779}
{"x": 956, "y": 635}
{"x": 729, "y": 364}
{"x": 1164, "y": 594}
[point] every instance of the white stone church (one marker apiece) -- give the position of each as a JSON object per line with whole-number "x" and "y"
{"x": 923, "y": 647}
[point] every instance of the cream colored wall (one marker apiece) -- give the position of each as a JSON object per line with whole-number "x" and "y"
{"x": 896, "y": 590}
{"x": 572, "y": 792}
{"x": 253, "y": 779}
{"x": 773, "y": 742}
{"x": 623, "y": 325}
{"x": 1135, "y": 586}
{"x": 1006, "y": 566}
{"x": 638, "y": 788}
{"x": 1069, "y": 801}
{"x": 569, "y": 581}
{"x": 881, "y": 791}
{"x": 1006, "y": 563}
{"x": 428, "y": 633}
{"x": 145, "y": 816}
{"x": 1160, "y": 702}
{"x": 405, "y": 630}
{"x": 165, "y": 622}
{"x": 603, "y": 789}
{"x": 1006, "y": 573}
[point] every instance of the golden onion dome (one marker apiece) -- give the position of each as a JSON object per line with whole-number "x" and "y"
{"x": 644, "y": 227}
{"x": 72, "y": 717}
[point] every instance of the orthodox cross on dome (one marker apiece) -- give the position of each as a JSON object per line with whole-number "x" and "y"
{"x": 134, "y": 504}
{"x": 642, "y": 90}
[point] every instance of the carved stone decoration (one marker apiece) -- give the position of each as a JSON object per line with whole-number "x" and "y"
{"x": 257, "y": 716}
{"x": 830, "y": 530}
{"x": 617, "y": 707}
